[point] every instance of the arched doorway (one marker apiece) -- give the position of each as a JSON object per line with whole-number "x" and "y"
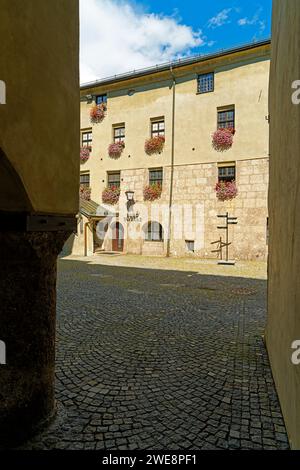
{"x": 117, "y": 237}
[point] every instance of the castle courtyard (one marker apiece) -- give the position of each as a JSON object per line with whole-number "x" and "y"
{"x": 162, "y": 354}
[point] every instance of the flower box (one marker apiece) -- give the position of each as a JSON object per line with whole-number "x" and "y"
{"x": 152, "y": 192}
{"x": 84, "y": 154}
{"x": 226, "y": 190}
{"x": 97, "y": 113}
{"x": 222, "y": 139}
{"x": 85, "y": 193}
{"x": 115, "y": 150}
{"x": 111, "y": 195}
{"x": 154, "y": 145}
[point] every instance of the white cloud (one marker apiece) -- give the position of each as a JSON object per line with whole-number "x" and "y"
{"x": 255, "y": 20}
{"x": 220, "y": 19}
{"x": 116, "y": 38}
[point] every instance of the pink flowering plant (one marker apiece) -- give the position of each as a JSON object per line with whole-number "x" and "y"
{"x": 97, "y": 113}
{"x": 84, "y": 154}
{"x": 154, "y": 144}
{"x": 226, "y": 190}
{"x": 111, "y": 195}
{"x": 152, "y": 192}
{"x": 115, "y": 150}
{"x": 85, "y": 193}
{"x": 222, "y": 139}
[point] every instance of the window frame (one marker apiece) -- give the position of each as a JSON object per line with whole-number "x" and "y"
{"x": 227, "y": 177}
{"x": 204, "y": 75}
{"x": 226, "y": 121}
{"x": 87, "y": 141}
{"x": 85, "y": 183}
{"x": 158, "y": 132}
{"x": 156, "y": 180}
{"x": 149, "y": 232}
{"x": 121, "y": 137}
{"x": 113, "y": 183}
{"x": 187, "y": 245}
{"x": 97, "y": 101}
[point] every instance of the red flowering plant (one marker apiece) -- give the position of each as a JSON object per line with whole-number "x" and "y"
{"x": 115, "y": 149}
{"x": 111, "y": 195}
{"x": 152, "y": 192}
{"x": 226, "y": 190}
{"x": 84, "y": 154}
{"x": 154, "y": 144}
{"x": 97, "y": 113}
{"x": 84, "y": 192}
{"x": 222, "y": 139}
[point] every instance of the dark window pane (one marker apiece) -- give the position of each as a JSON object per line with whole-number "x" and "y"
{"x": 101, "y": 99}
{"x": 157, "y": 128}
{"x": 85, "y": 179}
{"x": 226, "y": 119}
{"x": 119, "y": 134}
{"x": 227, "y": 173}
{"x": 114, "y": 179}
{"x": 206, "y": 83}
{"x": 156, "y": 176}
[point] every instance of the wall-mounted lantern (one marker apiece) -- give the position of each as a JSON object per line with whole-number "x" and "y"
{"x": 130, "y": 200}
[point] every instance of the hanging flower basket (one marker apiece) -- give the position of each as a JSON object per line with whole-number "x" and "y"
{"x": 226, "y": 190}
{"x": 97, "y": 113}
{"x": 111, "y": 195}
{"x": 152, "y": 192}
{"x": 222, "y": 139}
{"x": 85, "y": 193}
{"x": 84, "y": 154}
{"x": 115, "y": 150}
{"x": 154, "y": 145}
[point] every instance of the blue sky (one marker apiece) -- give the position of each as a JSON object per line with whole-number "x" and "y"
{"x": 122, "y": 35}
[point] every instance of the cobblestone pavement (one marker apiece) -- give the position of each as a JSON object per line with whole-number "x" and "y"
{"x": 159, "y": 359}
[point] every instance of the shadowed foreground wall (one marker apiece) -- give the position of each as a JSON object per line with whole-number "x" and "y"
{"x": 283, "y": 325}
{"x": 39, "y": 173}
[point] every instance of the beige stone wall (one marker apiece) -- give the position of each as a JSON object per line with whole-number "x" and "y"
{"x": 39, "y": 138}
{"x": 283, "y": 326}
{"x": 194, "y": 187}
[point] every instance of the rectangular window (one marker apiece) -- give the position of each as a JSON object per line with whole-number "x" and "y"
{"x": 119, "y": 133}
{"x": 86, "y": 139}
{"x": 156, "y": 176}
{"x": 157, "y": 128}
{"x": 154, "y": 232}
{"x": 226, "y": 173}
{"x": 85, "y": 179}
{"x": 206, "y": 82}
{"x": 101, "y": 99}
{"x": 190, "y": 246}
{"x": 113, "y": 179}
{"x": 226, "y": 118}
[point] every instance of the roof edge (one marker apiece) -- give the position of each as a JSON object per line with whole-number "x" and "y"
{"x": 174, "y": 64}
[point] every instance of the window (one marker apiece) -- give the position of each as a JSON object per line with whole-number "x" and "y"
{"x": 226, "y": 118}
{"x": 86, "y": 139}
{"x": 156, "y": 176}
{"x": 226, "y": 173}
{"x": 206, "y": 82}
{"x": 154, "y": 232}
{"x": 113, "y": 179}
{"x": 101, "y": 99}
{"x": 85, "y": 180}
{"x": 157, "y": 128}
{"x": 190, "y": 246}
{"x": 119, "y": 133}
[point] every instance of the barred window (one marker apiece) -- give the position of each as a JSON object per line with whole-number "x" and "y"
{"x": 154, "y": 232}
{"x": 113, "y": 179}
{"x": 119, "y": 134}
{"x": 101, "y": 99}
{"x": 86, "y": 139}
{"x": 226, "y": 173}
{"x": 156, "y": 176}
{"x": 85, "y": 180}
{"x": 226, "y": 118}
{"x": 206, "y": 82}
{"x": 158, "y": 128}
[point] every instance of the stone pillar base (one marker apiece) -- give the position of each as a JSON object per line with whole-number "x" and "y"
{"x": 27, "y": 327}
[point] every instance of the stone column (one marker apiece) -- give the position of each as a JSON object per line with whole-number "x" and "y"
{"x": 27, "y": 326}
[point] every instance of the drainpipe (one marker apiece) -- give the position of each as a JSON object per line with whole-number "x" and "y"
{"x": 172, "y": 163}
{"x": 85, "y": 237}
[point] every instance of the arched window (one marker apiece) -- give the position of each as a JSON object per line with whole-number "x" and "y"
{"x": 154, "y": 232}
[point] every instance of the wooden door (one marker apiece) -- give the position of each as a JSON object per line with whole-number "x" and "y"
{"x": 118, "y": 237}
